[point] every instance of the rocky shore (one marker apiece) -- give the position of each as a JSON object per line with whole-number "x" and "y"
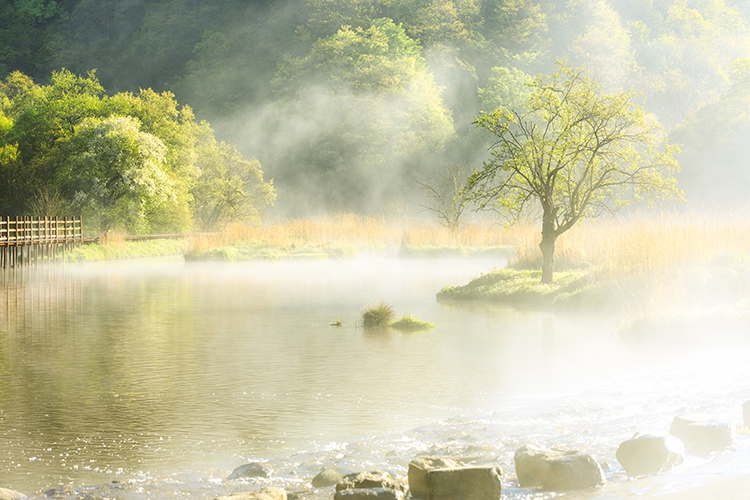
{"x": 537, "y": 470}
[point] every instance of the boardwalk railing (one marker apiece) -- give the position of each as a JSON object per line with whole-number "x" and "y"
{"x": 24, "y": 240}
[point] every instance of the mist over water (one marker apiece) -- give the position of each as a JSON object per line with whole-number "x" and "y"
{"x": 166, "y": 376}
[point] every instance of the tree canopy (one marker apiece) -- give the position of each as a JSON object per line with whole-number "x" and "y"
{"x": 293, "y": 82}
{"x": 573, "y": 152}
{"x": 138, "y": 162}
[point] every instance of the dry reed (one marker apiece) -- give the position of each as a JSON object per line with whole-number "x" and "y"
{"x": 636, "y": 244}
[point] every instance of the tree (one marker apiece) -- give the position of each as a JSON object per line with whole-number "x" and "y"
{"x": 576, "y": 152}
{"x": 115, "y": 171}
{"x": 447, "y": 198}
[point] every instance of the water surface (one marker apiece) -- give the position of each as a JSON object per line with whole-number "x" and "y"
{"x": 164, "y": 376}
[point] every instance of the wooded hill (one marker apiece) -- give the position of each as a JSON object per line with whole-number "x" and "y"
{"x": 349, "y": 104}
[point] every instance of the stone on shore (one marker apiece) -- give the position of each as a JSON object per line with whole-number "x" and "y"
{"x": 369, "y": 494}
{"x": 327, "y": 477}
{"x": 269, "y": 493}
{"x": 650, "y": 454}
{"x": 418, "y": 470}
{"x": 466, "y": 483}
{"x": 370, "y": 480}
{"x": 702, "y": 434}
{"x": 7, "y": 494}
{"x": 254, "y": 469}
{"x": 746, "y": 412}
{"x": 557, "y": 470}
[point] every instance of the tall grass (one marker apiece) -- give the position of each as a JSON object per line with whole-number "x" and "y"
{"x": 378, "y": 316}
{"x": 643, "y": 243}
{"x": 635, "y": 244}
{"x": 660, "y": 265}
{"x": 365, "y": 232}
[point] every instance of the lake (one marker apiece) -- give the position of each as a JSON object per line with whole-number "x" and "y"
{"x": 155, "y": 379}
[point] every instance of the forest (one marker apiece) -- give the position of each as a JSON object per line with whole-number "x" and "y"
{"x": 170, "y": 115}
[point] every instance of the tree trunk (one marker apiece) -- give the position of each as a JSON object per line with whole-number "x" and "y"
{"x": 548, "y": 248}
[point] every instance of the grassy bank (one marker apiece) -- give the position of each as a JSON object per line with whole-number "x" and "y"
{"x": 523, "y": 288}
{"x": 643, "y": 266}
{"x": 120, "y": 249}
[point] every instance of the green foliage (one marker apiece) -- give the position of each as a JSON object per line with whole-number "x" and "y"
{"x": 507, "y": 88}
{"x": 381, "y": 58}
{"x": 115, "y": 172}
{"x": 134, "y": 162}
{"x": 515, "y": 25}
{"x": 378, "y": 316}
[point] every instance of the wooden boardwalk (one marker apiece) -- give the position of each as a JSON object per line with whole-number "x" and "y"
{"x": 24, "y": 240}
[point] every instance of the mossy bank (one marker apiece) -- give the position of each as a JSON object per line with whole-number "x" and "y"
{"x": 523, "y": 288}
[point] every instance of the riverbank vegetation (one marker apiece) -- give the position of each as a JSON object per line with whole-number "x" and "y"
{"x": 643, "y": 265}
{"x": 118, "y": 249}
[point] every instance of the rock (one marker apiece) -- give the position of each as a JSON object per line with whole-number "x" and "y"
{"x": 327, "y": 477}
{"x": 369, "y": 494}
{"x": 466, "y": 483}
{"x": 746, "y": 413}
{"x": 254, "y": 469}
{"x": 557, "y": 470}
{"x": 650, "y": 454}
{"x": 61, "y": 492}
{"x": 418, "y": 470}
{"x": 262, "y": 494}
{"x": 6, "y": 494}
{"x": 702, "y": 434}
{"x": 369, "y": 480}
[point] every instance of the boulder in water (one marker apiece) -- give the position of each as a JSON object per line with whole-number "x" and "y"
{"x": 254, "y": 469}
{"x": 6, "y": 494}
{"x": 702, "y": 434}
{"x": 557, "y": 470}
{"x": 746, "y": 413}
{"x": 370, "y": 480}
{"x": 418, "y": 470}
{"x": 327, "y": 477}
{"x": 650, "y": 454}
{"x": 467, "y": 483}
{"x": 369, "y": 494}
{"x": 262, "y": 494}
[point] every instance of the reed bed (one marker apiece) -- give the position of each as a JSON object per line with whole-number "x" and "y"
{"x": 643, "y": 243}
{"x": 637, "y": 244}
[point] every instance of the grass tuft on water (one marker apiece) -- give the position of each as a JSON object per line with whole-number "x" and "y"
{"x": 409, "y": 323}
{"x": 378, "y": 316}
